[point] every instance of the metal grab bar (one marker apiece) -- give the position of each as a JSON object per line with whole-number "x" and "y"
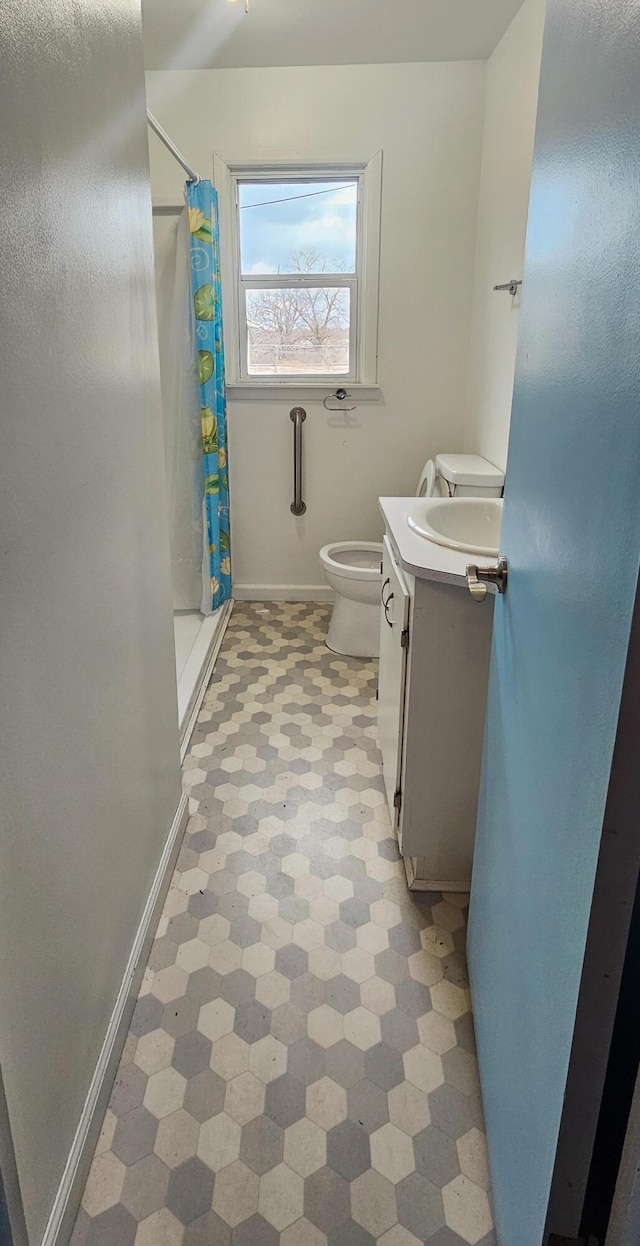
{"x": 298, "y": 415}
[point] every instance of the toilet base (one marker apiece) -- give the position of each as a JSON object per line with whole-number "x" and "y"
{"x": 354, "y": 629}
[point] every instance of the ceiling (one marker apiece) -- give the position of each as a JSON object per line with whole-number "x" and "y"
{"x": 217, "y": 34}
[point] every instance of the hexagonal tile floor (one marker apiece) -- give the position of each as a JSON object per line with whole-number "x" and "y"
{"x": 300, "y": 1068}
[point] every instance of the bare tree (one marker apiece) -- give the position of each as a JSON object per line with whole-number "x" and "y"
{"x": 297, "y": 316}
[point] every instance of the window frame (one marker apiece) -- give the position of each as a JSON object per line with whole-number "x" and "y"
{"x": 363, "y": 285}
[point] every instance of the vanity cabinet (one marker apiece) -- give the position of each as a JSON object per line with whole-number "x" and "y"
{"x": 434, "y": 663}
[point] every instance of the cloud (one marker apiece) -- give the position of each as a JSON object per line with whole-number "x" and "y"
{"x": 260, "y": 268}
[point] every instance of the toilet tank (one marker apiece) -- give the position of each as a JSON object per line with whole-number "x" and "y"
{"x": 468, "y": 475}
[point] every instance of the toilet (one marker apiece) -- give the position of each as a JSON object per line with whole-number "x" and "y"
{"x": 353, "y": 569}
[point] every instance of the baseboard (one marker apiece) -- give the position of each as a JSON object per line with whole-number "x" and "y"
{"x": 189, "y": 714}
{"x": 416, "y": 882}
{"x": 65, "y": 1205}
{"x": 283, "y": 592}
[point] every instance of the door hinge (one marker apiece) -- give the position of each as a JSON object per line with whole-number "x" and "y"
{"x": 397, "y": 798}
{"x": 404, "y": 638}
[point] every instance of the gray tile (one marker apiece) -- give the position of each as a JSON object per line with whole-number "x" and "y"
{"x": 292, "y": 961}
{"x": 203, "y": 985}
{"x": 285, "y": 1100}
{"x": 147, "y": 1015}
{"x": 308, "y": 992}
{"x": 420, "y": 1207}
{"x": 404, "y": 939}
{"x": 233, "y": 905}
{"x": 116, "y": 1225}
{"x": 252, "y": 1020}
{"x": 182, "y": 928}
{"x": 399, "y": 1030}
{"x": 208, "y": 1230}
{"x": 465, "y": 1035}
{"x": 343, "y": 994}
{"x": 204, "y": 1095}
{"x": 283, "y": 844}
{"x": 262, "y": 1144}
{"x": 460, "y": 1069}
{"x": 190, "y": 1190}
{"x": 294, "y": 909}
{"x": 245, "y": 931}
{"x": 326, "y": 1200}
{"x": 145, "y": 1187}
{"x": 384, "y": 1066}
{"x": 436, "y": 1156}
{"x": 413, "y": 998}
{"x": 388, "y": 849}
{"x": 447, "y": 1237}
{"x": 239, "y": 986}
{"x": 355, "y": 912}
{"x": 348, "y": 1150}
{"x": 345, "y": 1064}
{"x": 128, "y": 1089}
{"x": 180, "y": 1016}
{"x": 163, "y": 953}
{"x": 350, "y": 1234}
{"x": 255, "y": 1232}
{"x": 80, "y": 1229}
{"x": 391, "y": 966}
{"x": 340, "y": 936}
{"x": 288, "y": 1024}
{"x": 453, "y": 1112}
{"x": 306, "y": 1061}
{"x": 367, "y": 1105}
{"x": 279, "y": 885}
{"x": 191, "y": 1053}
{"x": 203, "y": 904}
{"x": 134, "y": 1136}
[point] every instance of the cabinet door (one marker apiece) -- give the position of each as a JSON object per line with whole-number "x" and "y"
{"x": 394, "y": 635}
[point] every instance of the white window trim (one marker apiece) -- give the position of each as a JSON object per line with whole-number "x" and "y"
{"x": 225, "y": 177}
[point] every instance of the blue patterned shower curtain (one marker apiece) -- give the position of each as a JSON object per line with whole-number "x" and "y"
{"x": 202, "y": 202}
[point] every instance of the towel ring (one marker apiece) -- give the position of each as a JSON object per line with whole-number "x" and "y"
{"x": 339, "y": 395}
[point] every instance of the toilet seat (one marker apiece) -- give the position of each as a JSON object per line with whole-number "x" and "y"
{"x": 356, "y": 560}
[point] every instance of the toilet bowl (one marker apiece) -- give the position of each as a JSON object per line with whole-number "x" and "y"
{"x": 352, "y": 569}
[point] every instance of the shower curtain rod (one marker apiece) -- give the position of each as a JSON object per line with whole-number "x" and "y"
{"x": 164, "y": 138}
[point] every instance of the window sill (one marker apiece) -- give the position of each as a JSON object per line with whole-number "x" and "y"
{"x": 258, "y": 391}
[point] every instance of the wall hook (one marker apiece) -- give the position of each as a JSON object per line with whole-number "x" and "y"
{"x": 511, "y": 286}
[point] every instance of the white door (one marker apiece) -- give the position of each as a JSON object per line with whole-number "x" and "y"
{"x": 394, "y": 635}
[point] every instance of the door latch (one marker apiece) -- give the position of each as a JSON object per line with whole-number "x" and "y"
{"x": 479, "y": 577}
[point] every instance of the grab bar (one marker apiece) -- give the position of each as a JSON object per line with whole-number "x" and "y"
{"x": 298, "y": 415}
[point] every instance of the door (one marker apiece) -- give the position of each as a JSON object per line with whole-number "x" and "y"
{"x": 571, "y": 535}
{"x": 394, "y": 623}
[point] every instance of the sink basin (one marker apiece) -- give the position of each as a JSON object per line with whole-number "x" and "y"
{"x": 469, "y": 524}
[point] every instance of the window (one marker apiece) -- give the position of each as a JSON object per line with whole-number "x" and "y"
{"x": 300, "y": 254}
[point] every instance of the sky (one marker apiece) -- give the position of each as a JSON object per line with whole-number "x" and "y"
{"x": 318, "y": 215}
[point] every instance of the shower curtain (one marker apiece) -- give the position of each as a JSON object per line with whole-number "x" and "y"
{"x": 202, "y": 201}
{"x": 181, "y": 415}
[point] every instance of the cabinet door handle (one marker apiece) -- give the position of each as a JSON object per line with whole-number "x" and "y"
{"x": 386, "y": 605}
{"x": 387, "y": 581}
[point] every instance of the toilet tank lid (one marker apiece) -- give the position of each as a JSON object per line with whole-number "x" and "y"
{"x": 469, "y": 469}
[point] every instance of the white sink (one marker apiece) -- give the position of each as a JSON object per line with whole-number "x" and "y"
{"x": 469, "y": 524}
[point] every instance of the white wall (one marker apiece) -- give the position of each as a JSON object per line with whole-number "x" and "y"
{"x": 513, "y": 72}
{"x": 88, "y": 717}
{"x": 427, "y": 119}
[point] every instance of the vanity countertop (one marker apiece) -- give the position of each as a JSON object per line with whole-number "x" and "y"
{"x": 422, "y": 558}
